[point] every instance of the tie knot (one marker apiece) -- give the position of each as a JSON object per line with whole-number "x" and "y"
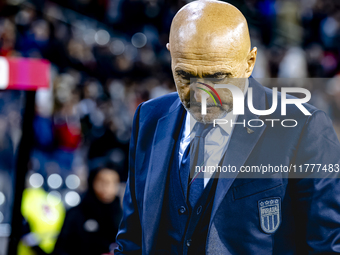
{"x": 201, "y": 130}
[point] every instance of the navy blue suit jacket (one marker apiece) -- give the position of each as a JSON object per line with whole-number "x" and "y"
{"x": 310, "y": 207}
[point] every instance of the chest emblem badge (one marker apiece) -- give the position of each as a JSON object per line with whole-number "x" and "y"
{"x": 270, "y": 214}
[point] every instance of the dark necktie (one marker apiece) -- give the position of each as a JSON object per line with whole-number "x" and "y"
{"x": 195, "y": 158}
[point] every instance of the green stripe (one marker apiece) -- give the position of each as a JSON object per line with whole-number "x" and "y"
{"x": 209, "y": 94}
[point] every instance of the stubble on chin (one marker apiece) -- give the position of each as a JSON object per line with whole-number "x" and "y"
{"x": 210, "y": 116}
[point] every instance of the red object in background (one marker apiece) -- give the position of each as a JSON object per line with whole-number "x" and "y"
{"x": 68, "y": 136}
{"x": 24, "y": 73}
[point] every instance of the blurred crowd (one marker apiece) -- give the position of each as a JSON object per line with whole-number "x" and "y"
{"x": 109, "y": 55}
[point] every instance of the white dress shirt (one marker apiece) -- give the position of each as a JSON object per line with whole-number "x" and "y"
{"x": 215, "y": 143}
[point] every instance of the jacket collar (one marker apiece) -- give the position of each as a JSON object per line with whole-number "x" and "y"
{"x": 243, "y": 141}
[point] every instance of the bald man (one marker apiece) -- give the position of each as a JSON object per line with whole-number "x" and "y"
{"x": 169, "y": 209}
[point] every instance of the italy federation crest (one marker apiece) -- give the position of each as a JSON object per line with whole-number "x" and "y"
{"x": 270, "y": 214}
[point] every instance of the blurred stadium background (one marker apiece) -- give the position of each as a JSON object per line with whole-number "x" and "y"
{"x": 107, "y": 56}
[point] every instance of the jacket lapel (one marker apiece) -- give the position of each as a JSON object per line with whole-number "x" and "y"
{"x": 241, "y": 144}
{"x": 162, "y": 149}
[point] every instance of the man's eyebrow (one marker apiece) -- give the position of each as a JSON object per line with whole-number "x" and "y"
{"x": 217, "y": 75}
{"x": 188, "y": 75}
{"x": 184, "y": 74}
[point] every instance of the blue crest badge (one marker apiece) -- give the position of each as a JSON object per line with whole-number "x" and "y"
{"x": 270, "y": 214}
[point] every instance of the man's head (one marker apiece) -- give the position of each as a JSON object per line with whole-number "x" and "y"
{"x": 209, "y": 39}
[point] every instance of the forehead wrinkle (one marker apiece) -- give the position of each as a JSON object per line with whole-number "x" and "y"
{"x": 195, "y": 50}
{"x": 203, "y": 71}
{"x": 193, "y": 69}
{"x": 209, "y": 68}
{"x": 202, "y": 56}
{"x": 195, "y": 63}
{"x": 200, "y": 44}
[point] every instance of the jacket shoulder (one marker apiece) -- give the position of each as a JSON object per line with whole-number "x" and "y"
{"x": 159, "y": 106}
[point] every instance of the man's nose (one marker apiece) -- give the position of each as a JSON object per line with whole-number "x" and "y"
{"x": 197, "y": 91}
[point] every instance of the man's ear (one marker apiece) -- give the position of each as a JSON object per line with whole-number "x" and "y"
{"x": 168, "y": 46}
{"x": 251, "y": 59}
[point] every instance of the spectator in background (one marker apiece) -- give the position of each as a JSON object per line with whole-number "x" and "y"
{"x": 91, "y": 227}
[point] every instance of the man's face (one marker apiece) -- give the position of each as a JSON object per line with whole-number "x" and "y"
{"x": 209, "y": 41}
{"x": 209, "y": 67}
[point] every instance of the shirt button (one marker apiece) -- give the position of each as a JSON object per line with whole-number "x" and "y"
{"x": 199, "y": 209}
{"x": 188, "y": 242}
{"x": 182, "y": 210}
